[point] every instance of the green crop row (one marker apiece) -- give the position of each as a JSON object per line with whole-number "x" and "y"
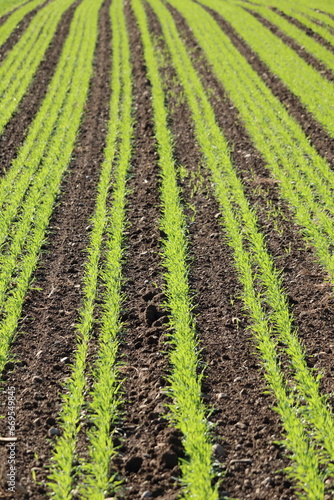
{"x": 102, "y": 410}
{"x": 31, "y": 185}
{"x": 309, "y": 6}
{"x": 312, "y": 46}
{"x": 13, "y": 20}
{"x": 18, "y": 68}
{"x": 323, "y": 19}
{"x": 309, "y": 20}
{"x": 241, "y": 223}
{"x": 302, "y": 206}
{"x": 307, "y": 15}
{"x": 305, "y": 179}
{"x": 187, "y": 411}
{"x": 307, "y": 11}
{"x": 314, "y": 91}
{"x": 306, "y": 7}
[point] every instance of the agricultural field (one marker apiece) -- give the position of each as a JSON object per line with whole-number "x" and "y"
{"x": 166, "y": 249}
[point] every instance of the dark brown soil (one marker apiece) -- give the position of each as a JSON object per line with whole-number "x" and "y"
{"x": 17, "y": 128}
{"x": 4, "y": 18}
{"x": 50, "y": 310}
{"x": 299, "y": 49}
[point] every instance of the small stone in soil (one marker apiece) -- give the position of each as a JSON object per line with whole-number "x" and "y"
{"x": 218, "y": 450}
{"x": 53, "y": 432}
{"x": 146, "y": 494}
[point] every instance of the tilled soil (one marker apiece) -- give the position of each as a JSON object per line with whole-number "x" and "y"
{"x": 150, "y": 449}
{"x": 245, "y": 425}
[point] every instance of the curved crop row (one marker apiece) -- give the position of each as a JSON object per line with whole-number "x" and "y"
{"x": 303, "y": 13}
{"x": 305, "y": 179}
{"x": 31, "y": 185}
{"x": 304, "y": 6}
{"x": 102, "y": 409}
{"x": 229, "y": 193}
{"x": 309, "y": 11}
{"x": 309, "y": 20}
{"x": 314, "y": 91}
{"x": 95, "y": 480}
{"x": 13, "y": 20}
{"x": 18, "y": 68}
{"x": 308, "y": 5}
{"x": 187, "y": 410}
{"x": 312, "y": 46}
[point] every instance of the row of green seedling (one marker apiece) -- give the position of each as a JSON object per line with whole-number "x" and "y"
{"x": 29, "y": 189}
{"x": 201, "y": 15}
{"x": 313, "y": 47}
{"x": 314, "y": 91}
{"x": 187, "y": 411}
{"x": 307, "y": 15}
{"x": 14, "y": 19}
{"x": 19, "y": 67}
{"x": 7, "y": 6}
{"x": 237, "y": 223}
{"x": 93, "y": 477}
